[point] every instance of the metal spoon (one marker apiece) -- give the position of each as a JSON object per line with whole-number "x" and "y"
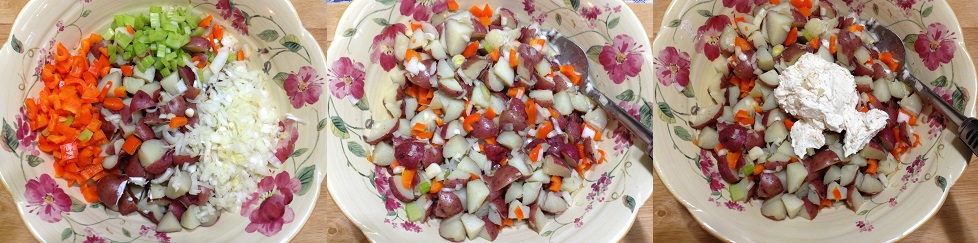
{"x": 890, "y": 42}
{"x": 572, "y": 54}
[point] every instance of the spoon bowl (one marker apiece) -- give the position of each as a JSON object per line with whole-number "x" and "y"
{"x": 572, "y": 54}
{"x": 888, "y": 41}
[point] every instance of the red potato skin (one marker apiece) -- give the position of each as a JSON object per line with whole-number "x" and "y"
{"x": 770, "y": 186}
{"x": 821, "y": 160}
{"x": 484, "y": 128}
{"x": 397, "y": 193}
{"x": 133, "y": 168}
{"x": 491, "y": 228}
{"x": 162, "y": 164}
{"x": 387, "y": 136}
{"x": 849, "y": 200}
{"x": 127, "y": 204}
{"x": 177, "y": 208}
{"x": 811, "y": 208}
{"x": 448, "y": 205}
{"x": 112, "y": 188}
{"x": 410, "y": 154}
{"x": 728, "y": 174}
{"x": 494, "y": 152}
{"x": 504, "y": 176}
{"x": 709, "y": 122}
{"x": 532, "y": 219}
{"x": 455, "y": 183}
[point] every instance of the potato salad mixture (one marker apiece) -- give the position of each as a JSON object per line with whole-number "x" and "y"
{"x": 160, "y": 116}
{"x": 486, "y": 129}
{"x": 807, "y": 114}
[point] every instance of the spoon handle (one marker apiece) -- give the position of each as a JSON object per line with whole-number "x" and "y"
{"x": 967, "y": 126}
{"x": 634, "y": 126}
{"x": 929, "y": 97}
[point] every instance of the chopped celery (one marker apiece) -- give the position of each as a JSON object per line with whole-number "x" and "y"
{"x": 69, "y": 120}
{"x": 154, "y": 20}
{"x": 85, "y": 135}
{"x": 109, "y": 34}
{"x": 156, "y": 9}
{"x": 123, "y": 40}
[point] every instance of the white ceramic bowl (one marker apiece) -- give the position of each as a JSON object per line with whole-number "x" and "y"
{"x": 273, "y": 29}
{"x": 602, "y": 211}
{"x": 911, "y": 198}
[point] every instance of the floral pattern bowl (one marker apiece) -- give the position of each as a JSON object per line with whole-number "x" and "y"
{"x": 620, "y": 60}
{"x": 55, "y": 212}
{"x": 936, "y": 54}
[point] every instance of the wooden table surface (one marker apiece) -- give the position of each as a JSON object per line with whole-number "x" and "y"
{"x": 955, "y": 222}
{"x": 341, "y": 229}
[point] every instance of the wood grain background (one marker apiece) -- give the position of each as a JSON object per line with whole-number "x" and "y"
{"x": 955, "y": 222}
{"x": 340, "y": 229}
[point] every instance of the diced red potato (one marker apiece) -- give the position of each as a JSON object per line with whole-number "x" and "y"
{"x": 451, "y": 229}
{"x": 111, "y": 188}
{"x": 448, "y": 205}
{"x": 873, "y": 150}
{"x": 706, "y": 116}
{"x": 180, "y": 160}
{"x": 400, "y": 192}
{"x": 773, "y": 208}
{"x": 134, "y": 168}
{"x": 821, "y": 160}
{"x": 538, "y": 220}
{"x": 730, "y": 175}
{"x": 770, "y": 185}
{"x": 409, "y": 154}
{"x": 381, "y": 131}
{"x": 491, "y": 230}
{"x": 503, "y": 177}
{"x": 197, "y": 44}
{"x": 484, "y": 128}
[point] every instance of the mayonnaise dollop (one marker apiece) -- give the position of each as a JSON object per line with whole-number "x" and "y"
{"x": 822, "y": 95}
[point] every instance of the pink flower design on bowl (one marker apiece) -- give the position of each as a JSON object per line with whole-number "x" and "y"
{"x": 743, "y": 6}
{"x": 268, "y": 209}
{"x": 421, "y": 10}
{"x": 708, "y": 36}
{"x": 672, "y": 67}
{"x": 382, "y": 50}
{"x": 346, "y": 79}
{"x": 287, "y": 136}
{"x": 46, "y": 198}
{"x": 622, "y": 59}
{"x": 936, "y": 46}
{"x": 303, "y": 88}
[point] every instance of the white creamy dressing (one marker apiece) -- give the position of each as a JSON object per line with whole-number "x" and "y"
{"x": 822, "y": 95}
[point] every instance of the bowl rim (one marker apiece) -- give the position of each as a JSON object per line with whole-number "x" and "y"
{"x": 675, "y": 6}
{"x": 316, "y": 53}
{"x": 348, "y": 15}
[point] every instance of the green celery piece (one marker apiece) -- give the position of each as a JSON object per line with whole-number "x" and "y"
{"x": 119, "y": 20}
{"x": 154, "y": 20}
{"x": 424, "y": 187}
{"x": 109, "y": 34}
{"x": 163, "y": 70}
{"x": 156, "y": 9}
{"x": 123, "y": 40}
{"x": 130, "y": 20}
{"x": 160, "y": 51}
{"x": 112, "y": 49}
{"x": 69, "y": 120}
{"x": 85, "y": 135}
{"x": 139, "y": 48}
